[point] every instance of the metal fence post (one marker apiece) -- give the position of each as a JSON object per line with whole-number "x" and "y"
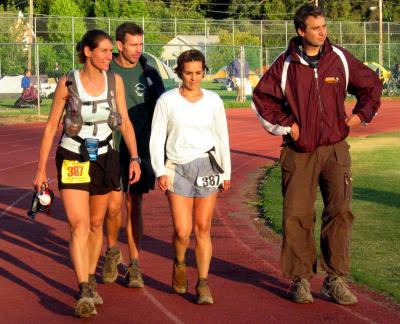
{"x": 143, "y": 31}
{"x": 241, "y": 94}
{"x": 205, "y": 40}
{"x": 73, "y": 42}
{"x": 175, "y": 27}
{"x": 109, "y": 26}
{"x": 365, "y": 41}
{"x": 37, "y": 75}
{"x": 286, "y": 32}
{"x": 388, "y": 33}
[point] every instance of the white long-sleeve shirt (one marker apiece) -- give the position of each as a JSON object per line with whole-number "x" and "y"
{"x": 184, "y": 131}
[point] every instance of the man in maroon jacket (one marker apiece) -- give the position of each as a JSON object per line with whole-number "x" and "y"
{"x": 301, "y": 97}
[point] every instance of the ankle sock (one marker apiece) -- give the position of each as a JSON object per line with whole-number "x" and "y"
{"x": 134, "y": 262}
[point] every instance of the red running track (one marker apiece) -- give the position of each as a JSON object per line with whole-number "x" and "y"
{"x": 38, "y": 284}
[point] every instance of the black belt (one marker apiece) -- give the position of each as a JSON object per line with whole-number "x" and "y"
{"x": 83, "y": 149}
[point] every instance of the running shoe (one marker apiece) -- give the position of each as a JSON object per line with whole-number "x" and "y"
{"x": 203, "y": 293}
{"x": 113, "y": 257}
{"x": 299, "y": 291}
{"x": 337, "y": 290}
{"x": 97, "y": 300}
{"x": 179, "y": 281}
{"x": 133, "y": 277}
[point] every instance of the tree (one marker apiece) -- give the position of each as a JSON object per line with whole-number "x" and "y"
{"x": 250, "y": 9}
{"x": 60, "y": 27}
{"x": 275, "y": 10}
{"x": 337, "y": 10}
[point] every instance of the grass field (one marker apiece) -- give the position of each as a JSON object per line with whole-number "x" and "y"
{"x": 376, "y": 204}
{"x": 7, "y": 109}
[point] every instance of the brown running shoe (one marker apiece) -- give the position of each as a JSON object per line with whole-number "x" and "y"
{"x": 203, "y": 293}
{"x": 113, "y": 257}
{"x": 336, "y": 289}
{"x": 97, "y": 300}
{"x": 299, "y": 291}
{"x": 133, "y": 277}
{"x": 179, "y": 281}
{"x": 84, "y": 307}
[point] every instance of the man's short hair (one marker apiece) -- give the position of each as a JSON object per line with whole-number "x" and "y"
{"x": 304, "y": 12}
{"x": 127, "y": 28}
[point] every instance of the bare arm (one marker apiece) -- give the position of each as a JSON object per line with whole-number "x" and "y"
{"x": 57, "y": 108}
{"x": 127, "y": 130}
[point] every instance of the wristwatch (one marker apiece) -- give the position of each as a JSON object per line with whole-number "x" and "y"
{"x": 135, "y": 158}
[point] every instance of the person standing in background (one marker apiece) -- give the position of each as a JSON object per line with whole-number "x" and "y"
{"x": 302, "y": 98}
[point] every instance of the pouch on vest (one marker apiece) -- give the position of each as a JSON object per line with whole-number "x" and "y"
{"x": 73, "y": 120}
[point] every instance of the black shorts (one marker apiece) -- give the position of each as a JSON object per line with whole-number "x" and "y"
{"x": 101, "y": 182}
{"x": 146, "y": 181}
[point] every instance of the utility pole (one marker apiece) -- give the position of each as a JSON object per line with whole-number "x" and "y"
{"x": 30, "y": 31}
{"x": 381, "y": 32}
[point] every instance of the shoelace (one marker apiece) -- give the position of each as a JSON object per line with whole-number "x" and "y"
{"x": 107, "y": 265}
{"x": 339, "y": 287}
{"x": 133, "y": 272}
{"x": 297, "y": 283}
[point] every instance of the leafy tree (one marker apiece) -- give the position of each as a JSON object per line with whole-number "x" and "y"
{"x": 275, "y": 9}
{"x": 186, "y": 9}
{"x": 337, "y": 10}
{"x": 13, "y": 57}
{"x": 60, "y": 27}
{"x": 107, "y": 8}
{"x": 249, "y": 9}
{"x": 41, "y": 6}
{"x": 140, "y": 9}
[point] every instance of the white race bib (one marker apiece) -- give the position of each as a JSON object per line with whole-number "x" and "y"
{"x": 211, "y": 181}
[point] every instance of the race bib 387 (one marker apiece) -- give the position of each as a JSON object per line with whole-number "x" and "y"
{"x": 75, "y": 172}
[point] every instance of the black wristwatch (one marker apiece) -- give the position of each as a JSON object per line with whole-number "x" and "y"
{"x": 136, "y": 158}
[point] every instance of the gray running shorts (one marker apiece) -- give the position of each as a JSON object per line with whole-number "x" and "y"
{"x": 182, "y": 177}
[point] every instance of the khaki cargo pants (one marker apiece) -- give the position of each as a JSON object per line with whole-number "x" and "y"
{"x": 329, "y": 167}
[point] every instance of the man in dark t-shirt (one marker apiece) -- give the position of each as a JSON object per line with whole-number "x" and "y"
{"x": 143, "y": 86}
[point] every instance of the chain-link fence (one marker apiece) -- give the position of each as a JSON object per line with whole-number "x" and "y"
{"x": 48, "y": 48}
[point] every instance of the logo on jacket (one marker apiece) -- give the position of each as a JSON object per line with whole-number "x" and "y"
{"x": 331, "y": 80}
{"x": 139, "y": 89}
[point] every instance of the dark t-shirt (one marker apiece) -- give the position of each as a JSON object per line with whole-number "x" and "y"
{"x": 136, "y": 95}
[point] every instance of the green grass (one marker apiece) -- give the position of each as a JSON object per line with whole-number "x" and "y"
{"x": 375, "y": 242}
{"x": 7, "y": 104}
{"x": 7, "y": 108}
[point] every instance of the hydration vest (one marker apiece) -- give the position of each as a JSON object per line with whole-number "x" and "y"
{"x": 73, "y": 119}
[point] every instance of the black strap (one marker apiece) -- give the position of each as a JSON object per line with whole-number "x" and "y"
{"x": 214, "y": 164}
{"x": 83, "y": 149}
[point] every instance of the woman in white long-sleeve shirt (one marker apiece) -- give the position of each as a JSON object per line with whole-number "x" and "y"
{"x": 189, "y": 150}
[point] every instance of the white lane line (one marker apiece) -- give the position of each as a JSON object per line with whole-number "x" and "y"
{"x": 5, "y": 211}
{"x": 29, "y": 193}
{"x": 148, "y": 294}
{"x": 161, "y": 307}
{"x": 18, "y": 165}
{"x": 22, "y": 150}
{"x": 22, "y": 164}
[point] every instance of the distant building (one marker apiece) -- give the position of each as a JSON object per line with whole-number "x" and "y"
{"x": 182, "y": 43}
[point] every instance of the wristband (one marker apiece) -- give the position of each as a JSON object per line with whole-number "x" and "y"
{"x": 135, "y": 158}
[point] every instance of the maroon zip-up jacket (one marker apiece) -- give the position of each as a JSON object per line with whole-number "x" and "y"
{"x": 293, "y": 91}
